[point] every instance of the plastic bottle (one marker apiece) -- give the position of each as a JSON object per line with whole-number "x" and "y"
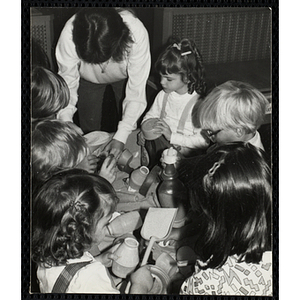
{"x": 169, "y": 156}
{"x": 125, "y": 223}
{"x": 128, "y": 258}
{"x": 172, "y": 193}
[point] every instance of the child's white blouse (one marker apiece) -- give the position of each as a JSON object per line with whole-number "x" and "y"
{"x": 191, "y": 137}
{"x": 93, "y": 278}
{"x": 256, "y": 141}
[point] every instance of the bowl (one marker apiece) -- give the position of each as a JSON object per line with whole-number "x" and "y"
{"x": 148, "y": 128}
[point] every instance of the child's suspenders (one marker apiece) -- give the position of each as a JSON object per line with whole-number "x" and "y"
{"x": 65, "y": 277}
{"x": 184, "y": 114}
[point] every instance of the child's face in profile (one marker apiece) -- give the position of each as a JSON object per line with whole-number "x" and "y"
{"x": 173, "y": 83}
{"x": 221, "y": 136}
{"x": 99, "y": 229}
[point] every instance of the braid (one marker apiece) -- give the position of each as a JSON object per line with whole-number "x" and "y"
{"x": 195, "y": 68}
{"x": 200, "y": 85}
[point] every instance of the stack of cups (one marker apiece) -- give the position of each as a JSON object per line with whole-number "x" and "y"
{"x": 127, "y": 257}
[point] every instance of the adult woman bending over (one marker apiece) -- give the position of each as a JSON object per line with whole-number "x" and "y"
{"x": 97, "y": 47}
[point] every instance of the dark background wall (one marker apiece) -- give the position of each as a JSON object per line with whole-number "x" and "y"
{"x": 235, "y": 42}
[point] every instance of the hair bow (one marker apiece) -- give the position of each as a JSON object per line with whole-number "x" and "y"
{"x": 178, "y": 46}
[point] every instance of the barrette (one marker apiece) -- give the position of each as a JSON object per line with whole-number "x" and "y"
{"x": 215, "y": 167}
{"x": 186, "y": 53}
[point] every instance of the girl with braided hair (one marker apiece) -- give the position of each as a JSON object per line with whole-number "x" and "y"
{"x": 182, "y": 78}
{"x": 69, "y": 215}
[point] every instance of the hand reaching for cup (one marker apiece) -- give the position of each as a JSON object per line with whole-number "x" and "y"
{"x": 114, "y": 147}
{"x": 163, "y": 128}
{"x": 89, "y": 163}
{"x": 109, "y": 168}
{"x": 141, "y": 281}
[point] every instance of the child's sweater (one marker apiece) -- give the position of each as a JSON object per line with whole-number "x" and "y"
{"x": 233, "y": 278}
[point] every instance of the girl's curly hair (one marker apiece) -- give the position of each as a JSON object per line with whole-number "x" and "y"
{"x": 65, "y": 212}
{"x": 184, "y": 58}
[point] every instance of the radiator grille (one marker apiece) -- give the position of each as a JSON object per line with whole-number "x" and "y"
{"x": 41, "y": 32}
{"x": 227, "y": 36}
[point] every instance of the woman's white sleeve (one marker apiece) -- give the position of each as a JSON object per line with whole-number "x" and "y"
{"x": 139, "y": 63}
{"x": 68, "y": 67}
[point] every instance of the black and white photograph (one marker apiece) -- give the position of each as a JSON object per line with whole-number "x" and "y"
{"x": 152, "y": 151}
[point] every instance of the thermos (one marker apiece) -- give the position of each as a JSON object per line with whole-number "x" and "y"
{"x": 172, "y": 193}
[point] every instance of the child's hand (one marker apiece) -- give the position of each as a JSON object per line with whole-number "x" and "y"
{"x": 163, "y": 128}
{"x": 89, "y": 163}
{"x": 141, "y": 139}
{"x": 141, "y": 281}
{"x": 109, "y": 168}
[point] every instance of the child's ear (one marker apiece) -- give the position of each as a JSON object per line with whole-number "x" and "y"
{"x": 185, "y": 79}
{"x": 240, "y": 132}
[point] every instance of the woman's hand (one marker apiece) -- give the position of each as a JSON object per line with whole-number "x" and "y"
{"x": 109, "y": 168}
{"x": 89, "y": 163}
{"x": 163, "y": 128}
{"x": 141, "y": 281}
{"x": 114, "y": 147}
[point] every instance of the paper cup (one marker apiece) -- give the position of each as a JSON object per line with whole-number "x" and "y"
{"x": 167, "y": 264}
{"x": 148, "y": 128}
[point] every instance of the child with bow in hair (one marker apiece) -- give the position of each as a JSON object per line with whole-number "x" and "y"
{"x": 182, "y": 78}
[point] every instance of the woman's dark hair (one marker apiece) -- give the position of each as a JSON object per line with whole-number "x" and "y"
{"x": 184, "y": 58}
{"x": 64, "y": 215}
{"x": 230, "y": 193}
{"x": 100, "y": 34}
